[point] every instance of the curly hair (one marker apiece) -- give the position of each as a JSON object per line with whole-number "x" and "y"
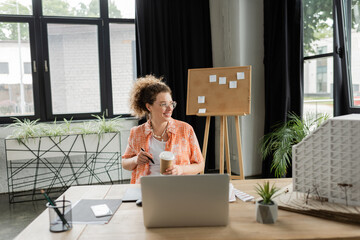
{"x": 145, "y": 91}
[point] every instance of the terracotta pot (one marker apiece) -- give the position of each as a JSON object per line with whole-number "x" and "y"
{"x": 266, "y": 213}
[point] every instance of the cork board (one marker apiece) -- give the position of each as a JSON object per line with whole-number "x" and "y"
{"x": 209, "y": 94}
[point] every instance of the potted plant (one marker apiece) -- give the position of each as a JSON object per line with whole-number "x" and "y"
{"x": 278, "y": 143}
{"x": 266, "y": 209}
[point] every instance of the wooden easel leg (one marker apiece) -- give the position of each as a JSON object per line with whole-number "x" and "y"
{"x": 238, "y": 138}
{"x": 222, "y": 128}
{"x": 206, "y": 139}
{"x": 227, "y": 150}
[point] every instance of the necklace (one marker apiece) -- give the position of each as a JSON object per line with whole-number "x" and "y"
{"x": 157, "y": 136}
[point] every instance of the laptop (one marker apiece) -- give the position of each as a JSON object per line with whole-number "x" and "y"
{"x": 185, "y": 201}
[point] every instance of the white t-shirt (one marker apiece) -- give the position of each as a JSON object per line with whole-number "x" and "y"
{"x": 156, "y": 147}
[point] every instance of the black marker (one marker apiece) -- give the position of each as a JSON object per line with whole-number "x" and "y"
{"x": 147, "y": 156}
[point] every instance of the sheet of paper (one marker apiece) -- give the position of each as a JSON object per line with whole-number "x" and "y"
{"x": 212, "y": 78}
{"x": 202, "y": 110}
{"x": 222, "y": 80}
{"x": 201, "y": 99}
{"x": 233, "y": 84}
{"x": 240, "y": 75}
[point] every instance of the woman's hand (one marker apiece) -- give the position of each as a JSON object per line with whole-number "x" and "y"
{"x": 143, "y": 158}
{"x": 174, "y": 170}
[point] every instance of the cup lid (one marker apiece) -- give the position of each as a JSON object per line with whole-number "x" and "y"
{"x": 166, "y": 155}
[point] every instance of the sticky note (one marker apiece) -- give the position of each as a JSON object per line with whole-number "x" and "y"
{"x": 212, "y": 78}
{"x": 233, "y": 84}
{"x": 240, "y": 75}
{"x": 201, "y": 99}
{"x": 222, "y": 80}
{"x": 202, "y": 110}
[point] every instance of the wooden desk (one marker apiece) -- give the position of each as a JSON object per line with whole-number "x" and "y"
{"x": 127, "y": 223}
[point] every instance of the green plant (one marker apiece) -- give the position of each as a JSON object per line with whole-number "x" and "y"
{"x": 53, "y": 130}
{"x": 24, "y": 129}
{"x": 85, "y": 128}
{"x": 105, "y": 126}
{"x": 27, "y": 128}
{"x": 266, "y": 192}
{"x": 279, "y": 142}
{"x": 67, "y": 125}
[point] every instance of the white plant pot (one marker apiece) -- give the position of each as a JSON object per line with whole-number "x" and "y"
{"x": 266, "y": 213}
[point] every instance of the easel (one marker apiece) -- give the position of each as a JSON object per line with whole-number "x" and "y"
{"x": 224, "y": 145}
{"x": 207, "y": 96}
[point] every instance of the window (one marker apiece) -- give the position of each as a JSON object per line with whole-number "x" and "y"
{"x": 16, "y": 88}
{"x": 318, "y": 56}
{"x": 122, "y": 9}
{"x": 4, "y": 68}
{"x": 353, "y": 31}
{"x": 322, "y": 60}
{"x": 123, "y": 64}
{"x": 27, "y": 68}
{"x": 19, "y": 7}
{"x": 71, "y": 8}
{"x": 83, "y": 61}
{"x": 74, "y": 74}
{"x": 321, "y": 75}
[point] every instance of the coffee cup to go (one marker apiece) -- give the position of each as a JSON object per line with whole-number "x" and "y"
{"x": 166, "y": 161}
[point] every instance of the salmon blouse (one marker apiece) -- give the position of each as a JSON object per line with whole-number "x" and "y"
{"x": 182, "y": 142}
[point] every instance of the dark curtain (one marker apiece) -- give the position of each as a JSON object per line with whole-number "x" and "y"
{"x": 283, "y": 64}
{"x": 173, "y": 36}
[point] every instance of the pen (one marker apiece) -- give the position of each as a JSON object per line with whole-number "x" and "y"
{"x": 52, "y": 203}
{"x": 147, "y": 156}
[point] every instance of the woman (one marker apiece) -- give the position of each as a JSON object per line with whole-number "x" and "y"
{"x": 152, "y": 97}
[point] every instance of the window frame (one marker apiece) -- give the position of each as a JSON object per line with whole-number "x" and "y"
{"x": 342, "y": 75}
{"x": 342, "y": 92}
{"x": 34, "y": 56}
{"x": 39, "y": 53}
{"x": 314, "y": 57}
{"x": 47, "y": 84}
{"x": 346, "y": 9}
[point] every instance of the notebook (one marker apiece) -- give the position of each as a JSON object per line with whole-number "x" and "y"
{"x": 185, "y": 201}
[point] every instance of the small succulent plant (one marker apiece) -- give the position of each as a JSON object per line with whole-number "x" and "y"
{"x": 266, "y": 192}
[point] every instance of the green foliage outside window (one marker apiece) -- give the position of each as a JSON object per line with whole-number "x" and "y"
{"x": 317, "y": 20}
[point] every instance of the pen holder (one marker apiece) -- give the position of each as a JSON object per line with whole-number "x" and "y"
{"x": 60, "y": 216}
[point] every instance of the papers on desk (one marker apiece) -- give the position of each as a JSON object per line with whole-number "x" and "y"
{"x": 233, "y": 192}
{"x": 82, "y": 212}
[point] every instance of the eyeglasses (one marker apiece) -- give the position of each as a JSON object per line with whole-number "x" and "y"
{"x": 166, "y": 105}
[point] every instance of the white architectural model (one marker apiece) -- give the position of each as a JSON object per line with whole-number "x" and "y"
{"x": 327, "y": 162}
